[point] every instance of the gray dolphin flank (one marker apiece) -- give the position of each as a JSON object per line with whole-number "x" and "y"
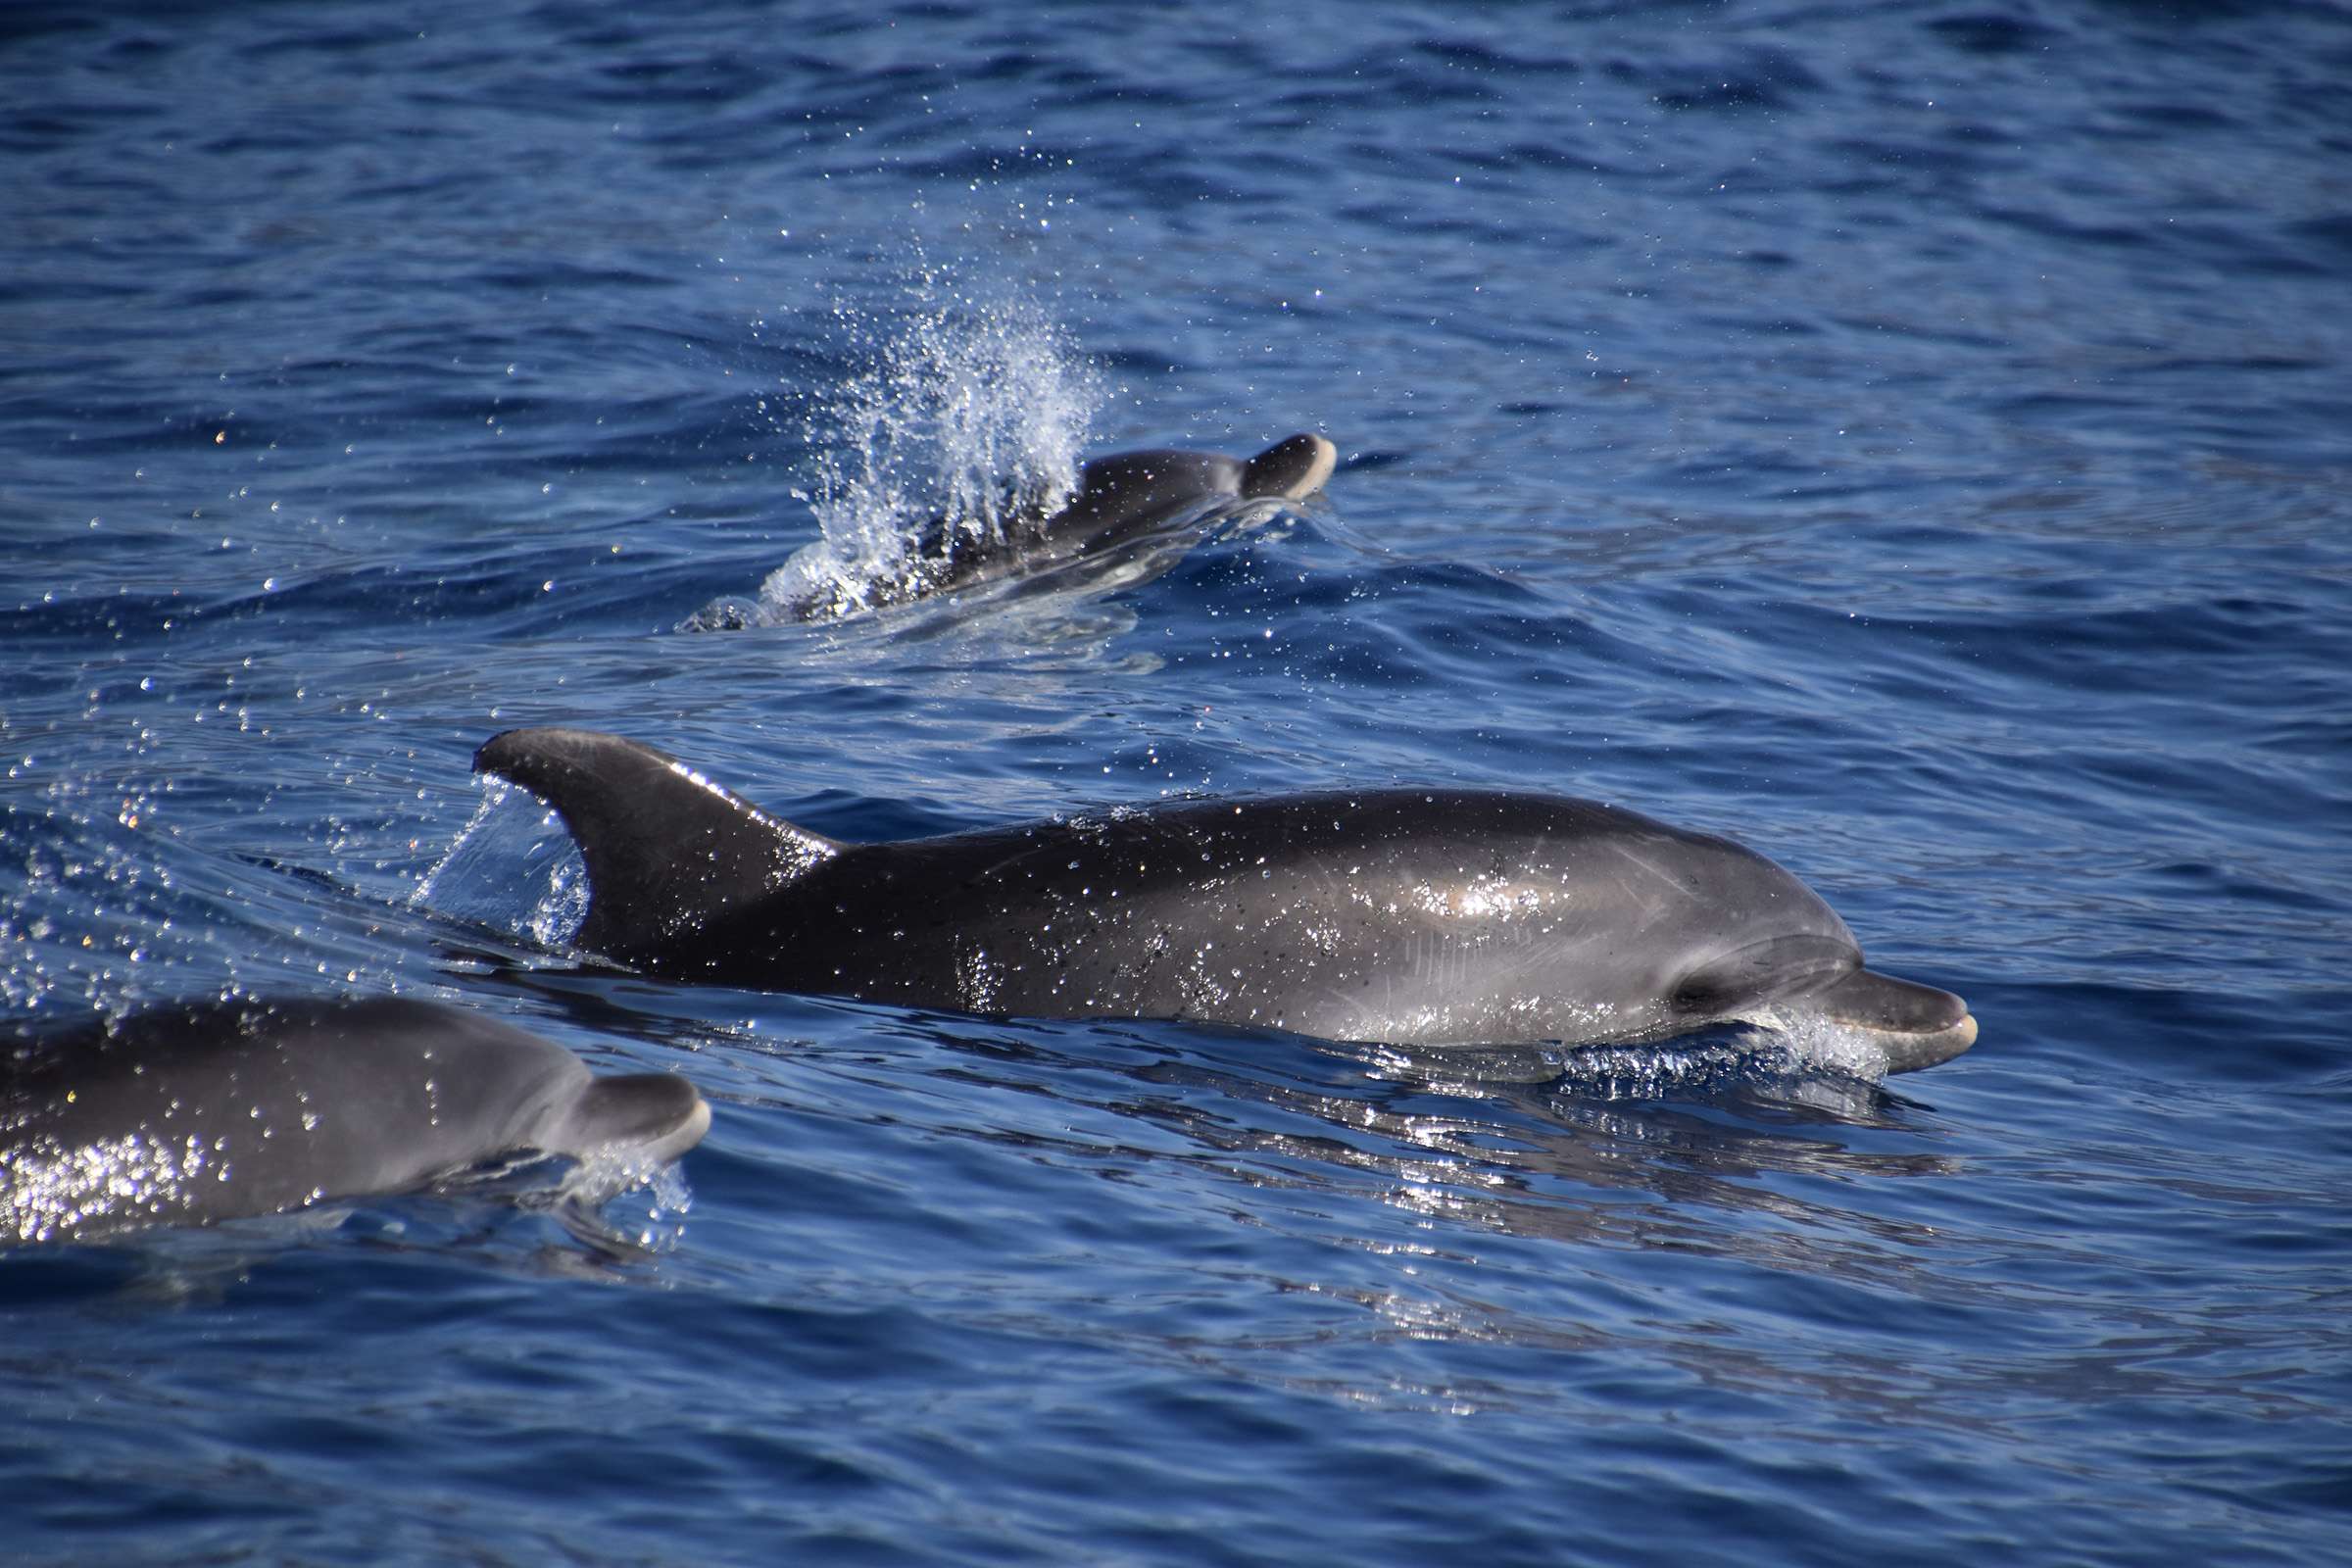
{"x": 1123, "y": 500}
{"x": 209, "y": 1111}
{"x": 1402, "y": 916}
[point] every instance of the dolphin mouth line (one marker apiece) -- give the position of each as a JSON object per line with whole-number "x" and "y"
{"x": 689, "y": 1132}
{"x": 639, "y": 1119}
{"x": 1911, "y": 1047}
{"x": 1906, "y": 1047}
{"x": 1916, "y": 1025}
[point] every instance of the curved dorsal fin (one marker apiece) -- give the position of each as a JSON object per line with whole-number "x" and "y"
{"x": 1289, "y": 470}
{"x": 667, "y": 849}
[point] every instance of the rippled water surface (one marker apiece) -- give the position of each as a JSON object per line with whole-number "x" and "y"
{"x": 1910, "y": 440}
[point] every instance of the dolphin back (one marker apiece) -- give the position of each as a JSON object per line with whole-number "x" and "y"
{"x": 667, "y": 849}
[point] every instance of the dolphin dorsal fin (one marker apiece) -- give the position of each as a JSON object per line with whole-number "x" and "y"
{"x": 1289, "y": 470}
{"x": 667, "y": 849}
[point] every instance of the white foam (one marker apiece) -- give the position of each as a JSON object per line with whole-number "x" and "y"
{"x": 968, "y": 407}
{"x": 626, "y": 1201}
{"x": 1813, "y": 1042}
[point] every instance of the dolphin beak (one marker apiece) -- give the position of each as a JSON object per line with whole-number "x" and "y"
{"x": 1916, "y": 1025}
{"x": 655, "y": 1116}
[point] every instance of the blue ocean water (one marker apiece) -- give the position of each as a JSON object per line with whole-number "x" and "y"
{"x": 1911, "y": 440}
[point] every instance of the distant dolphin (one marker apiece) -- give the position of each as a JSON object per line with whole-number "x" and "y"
{"x": 187, "y": 1114}
{"x": 1125, "y": 499}
{"x": 1403, "y": 915}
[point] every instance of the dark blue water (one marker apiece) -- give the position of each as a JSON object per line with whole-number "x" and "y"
{"x": 1913, "y": 441}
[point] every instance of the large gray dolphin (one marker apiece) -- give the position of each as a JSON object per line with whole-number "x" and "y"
{"x": 187, "y": 1114}
{"x": 1126, "y": 499}
{"x": 1424, "y": 917}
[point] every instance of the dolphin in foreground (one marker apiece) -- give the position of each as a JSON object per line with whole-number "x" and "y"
{"x": 206, "y": 1111}
{"x": 1128, "y": 498}
{"x": 1411, "y": 916}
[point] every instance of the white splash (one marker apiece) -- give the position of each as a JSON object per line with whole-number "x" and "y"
{"x": 621, "y": 1204}
{"x": 1659, "y": 1070}
{"x": 424, "y": 895}
{"x": 1809, "y": 1040}
{"x": 504, "y": 847}
{"x": 970, "y": 408}
{"x": 1790, "y": 1046}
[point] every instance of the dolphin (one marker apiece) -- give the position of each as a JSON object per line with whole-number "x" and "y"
{"x": 203, "y": 1112}
{"x": 1126, "y": 499}
{"x": 1411, "y": 916}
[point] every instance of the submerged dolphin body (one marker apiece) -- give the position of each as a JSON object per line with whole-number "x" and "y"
{"x": 1126, "y": 499}
{"x": 189, "y": 1115}
{"x": 1402, "y": 916}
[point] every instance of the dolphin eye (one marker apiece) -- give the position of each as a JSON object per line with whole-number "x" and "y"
{"x": 1700, "y": 994}
{"x": 1717, "y": 990}
{"x": 1773, "y": 968}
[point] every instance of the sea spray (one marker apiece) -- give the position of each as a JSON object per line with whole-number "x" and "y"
{"x": 969, "y": 412}
{"x": 475, "y": 879}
